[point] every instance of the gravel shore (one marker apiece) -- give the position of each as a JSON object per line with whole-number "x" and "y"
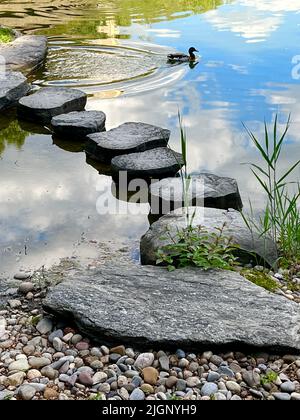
{"x": 42, "y": 358}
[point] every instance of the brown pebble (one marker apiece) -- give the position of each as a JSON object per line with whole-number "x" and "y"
{"x": 147, "y": 389}
{"x": 150, "y": 375}
{"x": 119, "y": 350}
{"x": 50, "y": 394}
{"x": 171, "y": 381}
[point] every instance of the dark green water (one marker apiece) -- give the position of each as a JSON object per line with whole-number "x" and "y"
{"x": 115, "y": 50}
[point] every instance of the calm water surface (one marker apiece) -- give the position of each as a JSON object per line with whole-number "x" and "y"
{"x": 116, "y": 51}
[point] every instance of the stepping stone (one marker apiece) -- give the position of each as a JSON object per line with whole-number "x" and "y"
{"x": 127, "y": 138}
{"x": 13, "y": 86}
{"x": 25, "y": 53}
{"x": 46, "y": 103}
{"x": 205, "y": 190}
{"x": 188, "y": 308}
{"x": 253, "y": 248}
{"x": 158, "y": 163}
{"x": 77, "y": 125}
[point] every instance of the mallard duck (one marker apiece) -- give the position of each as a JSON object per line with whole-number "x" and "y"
{"x": 183, "y": 58}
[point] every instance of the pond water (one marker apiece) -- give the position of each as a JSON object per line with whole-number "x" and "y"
{"x": 115, "y": 50}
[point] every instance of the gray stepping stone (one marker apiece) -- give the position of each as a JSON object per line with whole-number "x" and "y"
{"x": 152, "y": 307}
{"x": 13, "y": 86}
{"x": 252, "y": 247}
{"x": 158, "y": 163}
{"x": 128, "y": 138}
{"x": 46, "y": 103}
{"x": 25, "y": 53}
{"x": 202, "y": 190}
{"x": 77, "y": 125}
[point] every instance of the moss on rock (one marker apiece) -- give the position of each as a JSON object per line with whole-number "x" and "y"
{"x": 6, "y": 35}
{"x": 261, "y": 279}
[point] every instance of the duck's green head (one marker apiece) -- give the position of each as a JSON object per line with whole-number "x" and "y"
{"x": 192, "y": 50}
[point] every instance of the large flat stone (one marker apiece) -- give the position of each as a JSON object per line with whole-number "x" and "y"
{"x": 46, "y": 103}
{"x": 149, "y": 306}
{"x": 253, "y": 248}
{"x": 128, "y": 138}
{"x": 203, "y": 190}
{"x": 154, "y": 163}
{"x": 13, "y": 86}
{"x": 25, "y": 53}
{"x": 77, "y": 125}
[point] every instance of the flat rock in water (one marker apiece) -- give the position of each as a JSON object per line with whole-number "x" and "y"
{"x": 159, "y": 162}
{"x": 128, "y": 138}
{"x": 46, "y": 103}
{"x": 13, "y": 86}
{"x": 206, "y": 190}
{"x": 25, "y": 53}
{"x": 77, "y": 125}
{"x": 252, "y": 246}
{"x": 150, "y": 306}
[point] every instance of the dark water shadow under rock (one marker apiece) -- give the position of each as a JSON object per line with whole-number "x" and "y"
{"x": 101, "y": 168}
{"x": 68, "y": 145}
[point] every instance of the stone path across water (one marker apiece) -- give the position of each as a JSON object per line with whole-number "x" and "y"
{"x": 13, "y": 86}
{"x": 206, "y": 189}
{"x": 159, "y": 162}
{"x": 128, "y": 138}
{"x": 77, "y": 125}
{"x": 47, "y": 103}
{"x": 25, "y": 53}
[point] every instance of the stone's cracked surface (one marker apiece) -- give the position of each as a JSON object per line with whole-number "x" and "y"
{"x": 189, "y": 307}
{"x": 204, "y": 189}
{"x": 13, "y": 86}
{"x": 252, "y": 246}
{"x": 25, "y": 53}
{"x": 47, "y": 103}
{"x": 77, "y": 125}
{"x": 128, "y": 138}
{"x": 159, "y": 162}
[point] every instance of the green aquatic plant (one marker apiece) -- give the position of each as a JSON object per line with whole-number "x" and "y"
{"x": 6, "y": 35}
{"x": 281, "y": 216}
{"x": 195, "y": 247}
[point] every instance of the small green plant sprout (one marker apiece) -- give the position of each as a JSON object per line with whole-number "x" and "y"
{"x": 196, "y": 247}
{"x": 34, "y": 320}
{"x": 174, "y": 397}
{"x": 97, "y": 397}
{"x": 6, "y": 35}
{"x": 269, "y": 378}
{"x": 281, "y": 216}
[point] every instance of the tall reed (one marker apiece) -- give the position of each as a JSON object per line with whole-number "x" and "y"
{"x": 281, "y": 216}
